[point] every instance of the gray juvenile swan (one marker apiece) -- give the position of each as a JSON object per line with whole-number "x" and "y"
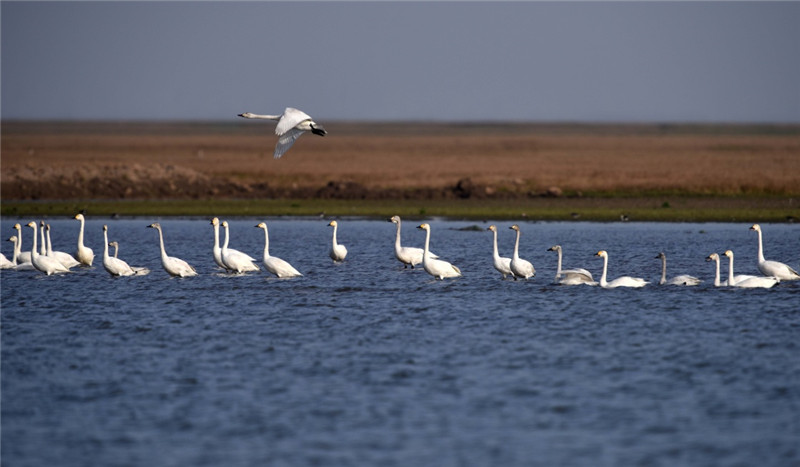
{"x": 291, "y": 125}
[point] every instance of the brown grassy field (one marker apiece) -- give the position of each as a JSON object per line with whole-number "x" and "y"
{"x": 62, "y": 161}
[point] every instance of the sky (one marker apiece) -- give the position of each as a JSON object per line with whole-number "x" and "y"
{"x": 389, "y": 61}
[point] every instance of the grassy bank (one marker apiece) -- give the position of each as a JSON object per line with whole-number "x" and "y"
{"x": 675, "y": 209}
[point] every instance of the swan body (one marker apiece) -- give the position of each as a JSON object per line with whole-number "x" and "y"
{"x": 291, "y": 125}
{"x": 409, "y": 256}
{"x": 22, "y": 256}
{"x": 436, "y": 267}
{"x": 235, "y": 260}
{"x": 777, "y": 269}
{"x": 746, "y": 281}
{"x": 733, "y": 280}
{"x": 274, "y": 264}
{"x": 502, "y": 264}
{"x": 83, "y": 254}
{"x": 575, "y": 276}
{"x": 17, "y": 265}
{"x": 42, "y": 263}
{"x": 683, "y": 279}
{"x": 175, "y": 267}
{"x": 520, "y": 267}
{"x": 64, "y": 258}
{"x": 338, "y": 252}
{"x": 624, "y": 281}
{"x": 5, "y": 263}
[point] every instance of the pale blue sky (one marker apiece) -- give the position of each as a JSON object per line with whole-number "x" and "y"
{"x": 449, "y": 61}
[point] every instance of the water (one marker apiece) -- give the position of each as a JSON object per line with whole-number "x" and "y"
{"x": 365, "y": 363}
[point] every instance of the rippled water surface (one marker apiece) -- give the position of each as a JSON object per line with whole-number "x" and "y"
{"x": 367, "y": 363}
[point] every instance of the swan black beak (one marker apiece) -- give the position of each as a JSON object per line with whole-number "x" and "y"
{"x": 318, "y": 130}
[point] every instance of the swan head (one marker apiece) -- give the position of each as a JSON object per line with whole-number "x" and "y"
{"x": 317, "y": 129}
{"x": 712, "y": 257}
{"x": 395, "y": 220}
{"x": 47, "y": 227}
{"x": 80, "y": 217}
{"x": 554, "y": 248}
{"x": 114, "y": 244}
{"x": 602, "y": 254}
{"x": 728, "y": 253}
{"x": 105, "y": 228}
{"x": 756, "y": 227}
{"x": 661, "y": 256}
{"x": 514, "y": 227}
{"x": 17, "y": 226}
{"x": 225, "y": 224}
{"x": 424, "y": 227}
{"x": 215, "y": 221}
{"x": 246, "y": 115}
{"x": 493, "y": 228}
{"x": 155, "y": 225}
{"x": 12, "y": 238}
{"x": 333, "y": 224}
{"x": 261, "y": 225}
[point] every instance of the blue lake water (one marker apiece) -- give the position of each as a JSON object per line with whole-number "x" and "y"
{"x": 367, "y": 363}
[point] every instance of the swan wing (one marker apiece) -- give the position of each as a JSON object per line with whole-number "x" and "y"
{"x": 291, "y": 118}
{"x": 578, "y": 273}
{"x": 286, "y": 141}
{"x": 280, "y": 267}
{"x": 66, "y": 259}
{"x": 684, "y": 279}
{"x": 627, "y": 281}
{"x": 778, "y": 269}
{"x": 758, "y": 282}
{"x": 117, "y": 267}
{"x": 179, "y": 267}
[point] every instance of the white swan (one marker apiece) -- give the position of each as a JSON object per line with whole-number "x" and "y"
{"x": 84, "y": 254}
{"x": 715, "y": 257}
{"x": 116, "y": 266}
{"x": 575, "y": 276}
{"x": 116, "y": 247}
{"x": 140, "y": 271}
{"x": 750, "y": 282}
{"x": 5, "y": 263}
{"x": 409, "y": 256}
{"x": 64, "y": 258}
{"x": 624, "y": 281}
{"x": 44, "y": 264}
{"x": 18, "y": 265}
{"x": 338, "y": 252}
{"x": 235, "y": 260}
{"x": 174, "y": 266}
{"x": 274, "y": 264}
{"x": 520, "y": 267}
{"x": 291, "y": 125}
{"x": 773, "y": 268}
{"x": 683, "y": 279}
{"x": 502, "y": 264}
{"x": 217, "y": 251}
{"x": 22, "y": 256}
{"x": 433, "y": 266}
{"x": 733, "y": 280}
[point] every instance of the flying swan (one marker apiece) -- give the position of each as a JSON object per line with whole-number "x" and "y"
{"x": 773, "y": 268}
{"x": 175, "y": 267}
{"x": 683, "y": 279}
{"x": 408, "y": 255}
{"x": 519, "y": 266}
{"x": 435, "y": 267}
{"x": 576, "y": 276}
{"x": 502, "y": 264}
{"x": 624, "y": 281}
{"x": 274, "y": 264}
{"x": 291, "y": 125}
{"x": 338, "y": 252}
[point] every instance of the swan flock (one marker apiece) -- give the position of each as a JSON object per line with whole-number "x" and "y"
{"x": 232, "y": 261}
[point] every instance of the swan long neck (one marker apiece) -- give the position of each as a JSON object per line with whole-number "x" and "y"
{"x": 216, "y": 236}
{"x": 43, "y": 248}
{"x": 49, "y": 244}
{"x": 34, "y": 251}
{"x": 397, "y": 244}
{"x": 663, "y": 271}
{"x": 760, "y": 248}
{"x": 262, "y": 117}
{"x": 266, "y": 243}
{"x": 105, "y": 244}
{"x": 161, "y": 241}
{"x": 494, "y": 249}
{"x": 80, "y": 235}
{"x": 716, "y": 276}
{"x": 225, "y": 245}
{"x": 730, "y": 270}
{"x": 603, "y": 280}
{"x": 335, "y": 227}
{"x": 516, "y": 246}
{"x": 427, "y": 244}
{"x": 18, "y": 243}
{"x": 558, "y": 269}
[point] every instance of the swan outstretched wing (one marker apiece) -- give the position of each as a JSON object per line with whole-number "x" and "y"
{"x": 290, "y": 119}
{"x": 286, "y": 141}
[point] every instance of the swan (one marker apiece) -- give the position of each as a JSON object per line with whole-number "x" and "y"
{"x": 338, "y": 252}
{"x": 773, "y": 268}
{"x": 746, "y": 281}
{"x": 624, "y": 281}
{"x": 22, "y": 256}
{"x": 5, "y": 263}
{"x": 409, "y": 256}
{"x": 733, "y": 280}
{"x": 140, "y": 271}
{"x": 433, "y": 266}
{"x": 116, "y": 247}
{"x": 715, "y": 257}
{"x": 18, "y": 265}
{"x": 174, "y": 266}
{"x": 42, "y": 263}
{"x": 683, "y": 279}
{"x": 116, "y": 266}
{"x": 519, "y": 266}
{"x": 571, "y": 276}
{"x": 291, "y": 125}
{"x": 64, "y": 258}
{"x": 274, "y": 264}
{"x": 503, "y": 265}
{"x": 217, "y": 251}
{"x": 84, "y": 254}
{"x": 235, "y": 260}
